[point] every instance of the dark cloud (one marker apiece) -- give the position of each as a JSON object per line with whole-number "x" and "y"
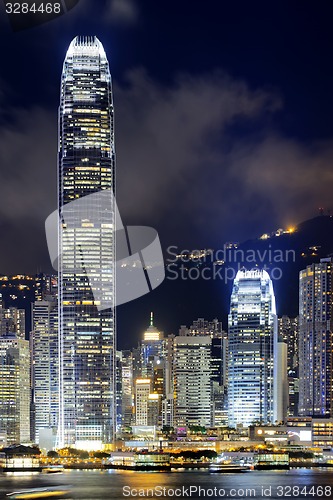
{"x": 165, "y": 136}
{"x": 121, "y": 12}
{"x": 28, "y": 164}
{"x": 182, "y": 166}
{"x": 293, "y": 178}
{"x": 28, "y": 187}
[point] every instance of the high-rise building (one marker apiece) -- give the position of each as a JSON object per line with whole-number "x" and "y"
{"x": 253, "y": 344}
{"x": 86, "y": 240}
{"x": 192, "y": 382}
{"x": 14, "y": 376}
{"x": 168, "y": 402}
{"x": 151, "y": 350}
{"x": 288, "y": 330}
{"x": 45, "y": 368}
{"x": 315, "y": 340}
{"x": 219, "y": 378}
{"x": 146, "y": 367}
{"x": 218, "y": 365}
{"x": 14, "y": 389}
{"x": 127, "y": 389}
{"x": 142, "y": 392}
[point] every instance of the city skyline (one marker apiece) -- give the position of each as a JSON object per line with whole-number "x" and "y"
{"x": 225, "y": 160}
{"x": 186, "y": 381}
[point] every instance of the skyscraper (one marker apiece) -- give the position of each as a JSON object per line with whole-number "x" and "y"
{"x": 14, "y": 377}
{"x": 252, "y": 340}
{"x": 315, "y": 340}
{"x": 192, "y": 380}
{"x": 127, "y": 389}
{"x": 219, "y": 378}
{"x": 142, "y": 392}
{"x": 151, "y": 351}
{"x": 288, "y": 330}
{"x": 45, "y": 367}
{"x": 86, "y": 240}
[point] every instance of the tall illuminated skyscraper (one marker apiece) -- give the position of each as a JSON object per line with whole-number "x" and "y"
{"x": 255, "y": 356}
{"x": 86, "y": 239}
{"x": 316, "y": 340}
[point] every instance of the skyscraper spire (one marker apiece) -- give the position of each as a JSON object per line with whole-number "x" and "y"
{"x": 151, "y": 319}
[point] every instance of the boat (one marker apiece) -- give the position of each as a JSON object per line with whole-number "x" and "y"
{"x": 271, "y": 461}
{"x": 19, "y": 458}
{"x": 50, "y": 492}
{"x": 53, "y": 469}
{"x": 143, "y": 461}
{"x": 228, "y": 468}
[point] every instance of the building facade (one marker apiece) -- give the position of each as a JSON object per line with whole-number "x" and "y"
{"x": 87, "y": 248}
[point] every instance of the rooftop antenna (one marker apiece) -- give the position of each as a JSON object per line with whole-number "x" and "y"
{"x": 151, "y": 319}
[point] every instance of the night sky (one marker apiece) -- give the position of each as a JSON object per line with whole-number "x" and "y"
{"x": 223, "y": 121}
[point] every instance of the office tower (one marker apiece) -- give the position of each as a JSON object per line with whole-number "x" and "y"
{"x": 86, "y": 169}
{"x": 315, "y": 340}
{"x": 168, "y": 401}
{"x": 280, "y": 380}
{"x": 14, "y": 389}
{"x": 151, "y": 349}
{"x": 45, "y": 370}
{"x": 147, "y": 404}
{"x": 219, "y": 379}
{"x": 119, "y": 391}
{"x": 192, "y": 384}
{"x": 253, "y": 342}
{"x": 288, "y": 330}
{"x": 151, "y": 362}
{"x": 127, "y": 389}
{"x": 142, "y": 392}
{"x": 218, "y": 362}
